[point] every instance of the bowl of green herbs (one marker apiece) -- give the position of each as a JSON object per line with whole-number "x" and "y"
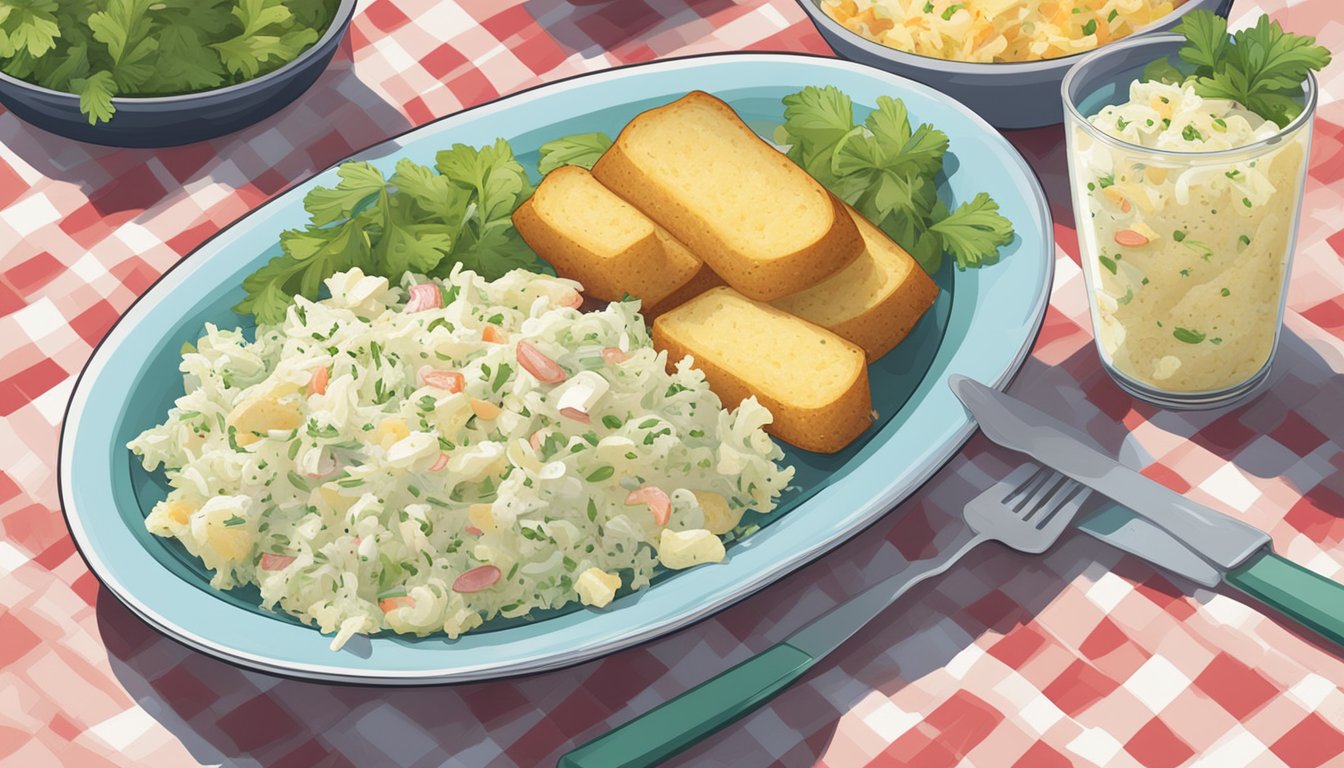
{"x": 157, "y": 73}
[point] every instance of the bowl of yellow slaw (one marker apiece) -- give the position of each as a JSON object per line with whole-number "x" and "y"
{"x": 1004, "y": 59}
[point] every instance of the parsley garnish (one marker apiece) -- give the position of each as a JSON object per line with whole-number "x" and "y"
{"x": 422, "y": 220}
{"x": 1262, "y": 68}
{"x": 887, "y": 169}
{"x": 581, "y": 149}
{"x": 102, "y": 50}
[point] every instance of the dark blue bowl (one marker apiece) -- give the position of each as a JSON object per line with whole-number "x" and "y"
{"x": 166, "y": 121}
{"x": 1009, "y": 95}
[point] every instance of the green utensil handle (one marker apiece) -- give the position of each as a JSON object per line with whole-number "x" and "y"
{"x": 676, "y": 724}
{"x": 1306, "y": 596}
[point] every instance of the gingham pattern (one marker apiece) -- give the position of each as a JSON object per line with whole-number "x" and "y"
{"x": 1079, "y": 657}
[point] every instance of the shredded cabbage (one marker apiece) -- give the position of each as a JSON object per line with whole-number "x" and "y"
{"x": 331, "y": 462}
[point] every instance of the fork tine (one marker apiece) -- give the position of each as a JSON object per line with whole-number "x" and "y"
{"x": 1032, "y": 503}
{"x": 1023, "y": 491}
{"x": 1075, "y": 494}
{"x": 1041, "y": 500}
{"x": 1028, "y": 509}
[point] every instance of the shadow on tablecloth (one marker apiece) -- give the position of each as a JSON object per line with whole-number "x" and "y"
{"x": 629, "y": 30}
{"x": 221, "y": 713}
{"x": 338, "y": 115}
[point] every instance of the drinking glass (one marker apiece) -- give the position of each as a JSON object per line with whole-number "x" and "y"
{"x": 1186, "y": 255}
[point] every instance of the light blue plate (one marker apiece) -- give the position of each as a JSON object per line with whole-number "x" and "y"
{"x": 982, "y": 325}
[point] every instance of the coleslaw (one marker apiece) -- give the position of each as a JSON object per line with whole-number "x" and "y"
{"x": 422, "y": 458}
{"x": 996, "y": 30}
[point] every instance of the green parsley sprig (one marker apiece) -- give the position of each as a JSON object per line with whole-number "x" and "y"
{"x": 106, "y": 48}
{"x": 582, "y": 149}
{"x": 423, "y": 220}
{"x": 888, "y": 172}
{"x": 1262, "y": 68}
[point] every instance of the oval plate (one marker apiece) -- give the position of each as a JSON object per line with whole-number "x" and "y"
{"x": 983, "y": 326}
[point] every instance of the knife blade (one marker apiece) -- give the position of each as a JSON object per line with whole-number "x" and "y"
{"x": 1113, "y": 524}
{"x": 1237, "y": 554}
{"x": 1223, "y": 541}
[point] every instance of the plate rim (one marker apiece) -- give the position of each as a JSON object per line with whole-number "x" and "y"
{"x": 884, "y": 501}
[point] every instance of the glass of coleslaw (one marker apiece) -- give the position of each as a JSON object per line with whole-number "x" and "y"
{"x": 1187, "y": 211}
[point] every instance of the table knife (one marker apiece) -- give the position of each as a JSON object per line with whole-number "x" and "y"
{"x": 1236, "y": 553}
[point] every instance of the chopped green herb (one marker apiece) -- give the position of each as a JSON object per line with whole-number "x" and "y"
{"x": 501, "y": 377}
{"x": 234, "y": 520}
{"x": 603, "y": 472}
{"x": 1187, "y": 336}
{"x": 297, "y": 481}
{"x": 1107, "y": 263}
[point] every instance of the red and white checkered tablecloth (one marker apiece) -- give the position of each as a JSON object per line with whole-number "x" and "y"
{"x": 1082, "y": 656}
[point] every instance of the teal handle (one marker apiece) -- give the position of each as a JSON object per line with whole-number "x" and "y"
{"x": 676, "y": 724}
{"x": 1308, "y": 597}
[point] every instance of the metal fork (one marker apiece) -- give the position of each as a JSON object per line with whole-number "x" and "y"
{"x": 1027, "y": 510}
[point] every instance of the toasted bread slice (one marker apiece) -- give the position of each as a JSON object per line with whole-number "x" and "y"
{"x": 813, "y": 381}
{"x": 755, "y": 217}
{"x": 703, "y": 280}
{"x": 875, "y": 301}
{"x": 589, "y": 234}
